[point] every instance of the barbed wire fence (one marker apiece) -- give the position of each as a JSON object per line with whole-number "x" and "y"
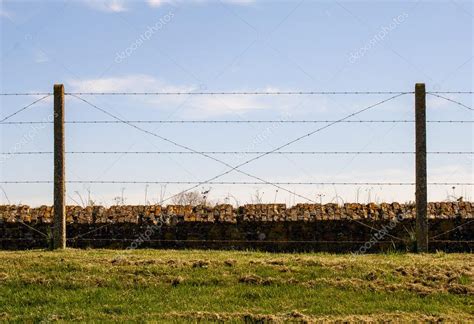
{"x": 59, "y": 153}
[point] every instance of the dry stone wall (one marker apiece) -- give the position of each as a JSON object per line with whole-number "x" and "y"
{"x": 270, "y": 227}
{"x": 227, "y": 214}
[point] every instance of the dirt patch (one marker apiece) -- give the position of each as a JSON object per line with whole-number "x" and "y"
{"x": 230, "y": 263}
{"x": 309, "y": 263}
{"x": 371, "y": 276}
{"x": 256, "y": 280}
{"x": 458, "y": 289}
{"x": 120, "y": 261}
{"x": 275, "y": 262}
{"x": 3, "y": 276}
{"x": 145, "y": 262}
{"x": 201, "y": 264}
{"x": 176, "y": 281}
{"x": 284, "y": 269}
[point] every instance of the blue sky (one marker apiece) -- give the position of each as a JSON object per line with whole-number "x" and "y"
{"x": 189, "y": 46}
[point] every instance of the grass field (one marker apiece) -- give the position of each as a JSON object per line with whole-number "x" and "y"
{"x": 177, "y": 286}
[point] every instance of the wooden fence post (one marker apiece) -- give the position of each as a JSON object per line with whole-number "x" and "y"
{"x": 420, "y": 173}
{"x": 59, "y": 229}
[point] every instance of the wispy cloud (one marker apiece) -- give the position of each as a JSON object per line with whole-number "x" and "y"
{"x": 121, "y": 5}
{"x": 159, "y": 3}
{"x": 197, "y": 106}
{"x": 5, "y": 13}
{"x": 438, "y": 103}
{"x": 106, "y": 5}
{"x": 134, "y": 83}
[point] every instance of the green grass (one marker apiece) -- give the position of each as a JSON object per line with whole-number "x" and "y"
{"x": 177, "y": 286}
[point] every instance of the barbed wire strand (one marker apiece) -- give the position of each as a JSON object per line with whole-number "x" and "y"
{"x": 234, "y": 93}
{"x": 239, "y": 183}
{"x": 92, "y": 231}
{"x": 244, "y": 152}
{"x": 27, "y": 94}
{"x": 453, "y": 241}
{"x": 247, "y": 93}
{"x": 15, "y": 239}
{"x": 23, "y": 108}
{"x": 230, "y": 241}
{"x": 231, "y": 121}
{"x": 451, "y": 230}
{"x": 33, "y": 229}
{"x": 451, "y": 92}
{"x": 453, "y": 101}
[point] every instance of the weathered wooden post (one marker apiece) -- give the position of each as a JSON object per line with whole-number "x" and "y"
{"x": 59, "y": 229}
{"x": 420, "y": 173}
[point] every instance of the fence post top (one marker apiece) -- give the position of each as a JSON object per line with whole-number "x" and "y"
{"x": 419, "y": 86}
{"x": 59, "y": 86}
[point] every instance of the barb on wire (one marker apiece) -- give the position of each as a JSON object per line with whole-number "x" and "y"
{"x": 451, "y": 100}
{"x": 22, "y": 109}
{"x": 251, "y": 93}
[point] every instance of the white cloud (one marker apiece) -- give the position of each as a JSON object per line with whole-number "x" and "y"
{"x": 220, "y": 105}
{"x": 120, "y": 5}
{"x": 159, "y": 3}
{"x": 437, "y": 102}
{"x": 195, "y": 106}
{"x": 130, "y": 83}
{"x": 5, "y": 13}
{"x": 239, "y": 2}
{"x": 106, "y": 5}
